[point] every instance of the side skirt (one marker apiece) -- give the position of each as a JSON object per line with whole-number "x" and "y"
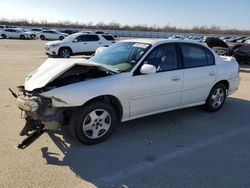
{"x": 161, "y": 111}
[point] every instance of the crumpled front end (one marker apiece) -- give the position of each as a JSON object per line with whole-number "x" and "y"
{"x": 39, "y": 109}
{"x": 44, "y": 110}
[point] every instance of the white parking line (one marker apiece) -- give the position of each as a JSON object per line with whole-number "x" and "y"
{"x": 145, "y": 166}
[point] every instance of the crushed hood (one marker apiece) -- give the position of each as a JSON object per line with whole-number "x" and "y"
{"x": 52, "y": 68}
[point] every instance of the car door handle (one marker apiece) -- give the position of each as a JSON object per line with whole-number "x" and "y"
{"x": 100, "y": 42}
{"x": 175, "y": 78}
{"x": 212, "y": 73}
{"x": 84, "y": 43}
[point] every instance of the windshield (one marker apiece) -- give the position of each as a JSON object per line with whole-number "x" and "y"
{"x": 69, "y": 38}
{"x": 121, "y": 56}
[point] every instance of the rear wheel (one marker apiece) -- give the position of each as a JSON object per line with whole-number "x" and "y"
{"x": 216, "y": 98}
{"x": 61, "y": 37}
{"x": 65, "y": 53}
{"x": 42, "y": 37}
{"x": 93, "y": 123}
{"x": 3, "y": 36}
{"x": 22, "y": 37}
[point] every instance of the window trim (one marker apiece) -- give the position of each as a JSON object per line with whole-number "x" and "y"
{"x": 93, "y": 40}
{"x": 198, "y": 46}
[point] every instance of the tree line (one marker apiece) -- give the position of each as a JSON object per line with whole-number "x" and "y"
{"x": 214, "y": 29}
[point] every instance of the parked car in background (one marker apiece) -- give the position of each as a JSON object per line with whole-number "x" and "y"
{"x": 3, "y": 27}
{"x": 33, "y": 34}
{"x": 235, "y": 39}
{"x": 195, "y": 38}
{"x": 128, "y": 80}
{"x": 36, "y": 31}
{"x": 242, "y": 53}
{"x": 52, "y": 35}
{"x": 99, "y": 32}
{"x": 17, "y": 33}
{"x": 69, "y": 31}
{"x": 78, "y": 43}
{"x": 247, "y": 41}
{"x": 219, "y": 46}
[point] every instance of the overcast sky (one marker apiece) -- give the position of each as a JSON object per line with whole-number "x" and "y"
{"x": 180, "y": 13}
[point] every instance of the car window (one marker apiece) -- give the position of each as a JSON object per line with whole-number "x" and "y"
{"x": 122, "y": 56}
{"x": 8, "y": 30}
{"x": 108, "y": 37}
{"x": 35, "y": 30}
{"x": 193, "y": 56}
{"x": 92, "y": 38}
{"x": 80, "y": 38}
{"x": 163, "y": 57}
{"x": 210, "y": 58}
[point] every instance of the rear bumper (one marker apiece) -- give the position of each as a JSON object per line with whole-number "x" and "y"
{"x": 234, "y": 84}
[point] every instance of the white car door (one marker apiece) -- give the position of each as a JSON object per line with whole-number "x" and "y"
{"x": 51, "y": 35}
{"x": 199, "y": 73}
{"x": 16, "y": 34}
{"x": 94, "y": 42}
{"x": 80, "y": 44}
{"x": 161, "y": 90}
{"x": 10, "y": 33}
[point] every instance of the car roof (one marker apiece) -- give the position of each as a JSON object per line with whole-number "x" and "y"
{"x": 159, "y": 41}
{"x": 82, "y": 33}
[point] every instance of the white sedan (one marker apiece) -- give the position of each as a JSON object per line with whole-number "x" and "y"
{"x": 78, "y": 43}
{"x": 16, "y": 33}
{"x": 128, "y": 80}
{"x": 51, "y": 35}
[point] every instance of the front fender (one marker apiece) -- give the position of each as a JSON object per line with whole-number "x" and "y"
{"x": 79, "y": 93}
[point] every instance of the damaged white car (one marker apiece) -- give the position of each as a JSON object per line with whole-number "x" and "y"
{"x": 128, "y": 80}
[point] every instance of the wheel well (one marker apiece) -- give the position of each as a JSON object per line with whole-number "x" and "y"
{"x": 115, "y": 102}
{"x": 63, "y": 48}
{"x": 224, "y": 82}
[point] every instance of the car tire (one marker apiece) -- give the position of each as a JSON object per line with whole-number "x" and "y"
{"x": 42, "y": 37}
{"x": 3, "y": 36}
{"x": 61, "y": 37}
{"x": 64, "y": 52}
{"x": 216, "y": 98}
{"x": 22, "y": 37}
{"x": 93, "y": 123}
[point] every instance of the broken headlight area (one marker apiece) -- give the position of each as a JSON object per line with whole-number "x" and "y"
{"x": 38, "y": 109}
{"x": 39, "y": 114}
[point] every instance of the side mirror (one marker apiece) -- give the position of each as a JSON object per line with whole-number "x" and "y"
{"x": 148, "y": 69}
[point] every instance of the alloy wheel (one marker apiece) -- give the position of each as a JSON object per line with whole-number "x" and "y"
{"x": 96, "y": 123}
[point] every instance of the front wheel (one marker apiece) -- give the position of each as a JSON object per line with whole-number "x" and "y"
{"x": 93, "y": 123}
{"x": 22, "y": 37}
{"x": 216, "y": 98}
{"x": 3, "y": 36}
{"x": 64, "y": 53}
{"x": 42, "y": 37}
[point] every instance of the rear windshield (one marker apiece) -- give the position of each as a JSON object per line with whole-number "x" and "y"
{"x": 109, "y": 37}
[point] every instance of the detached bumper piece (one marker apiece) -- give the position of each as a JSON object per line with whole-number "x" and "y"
{"x": 31, "y": 125}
